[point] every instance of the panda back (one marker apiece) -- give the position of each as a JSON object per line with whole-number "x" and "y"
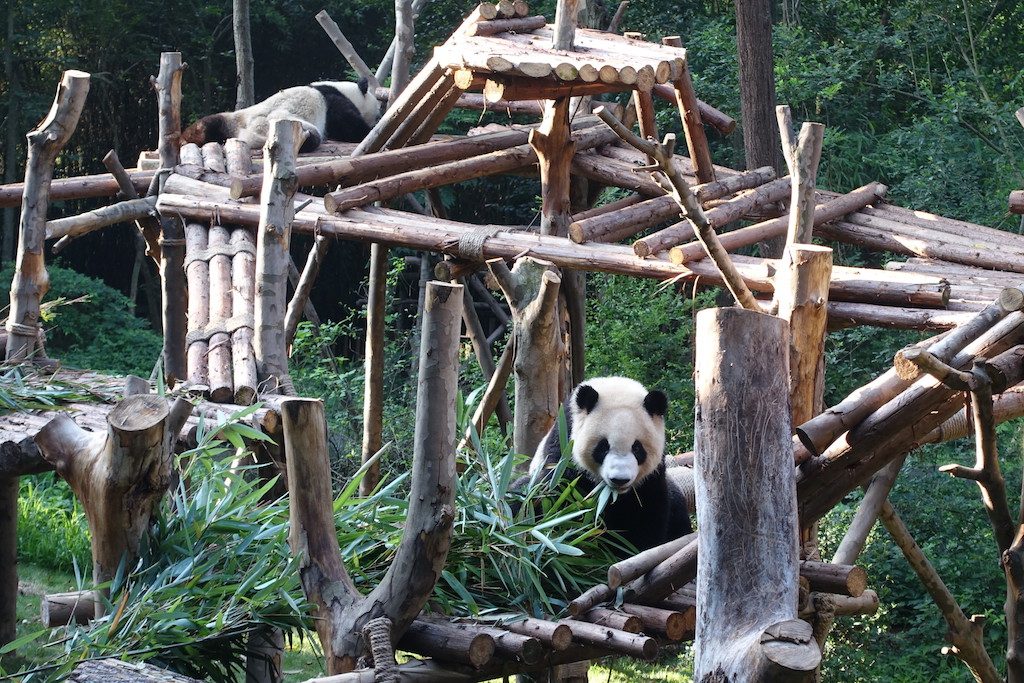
{"x": 344, "y": 121}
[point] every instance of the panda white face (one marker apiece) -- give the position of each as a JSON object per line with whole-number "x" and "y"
{"x": 618, "y": 430}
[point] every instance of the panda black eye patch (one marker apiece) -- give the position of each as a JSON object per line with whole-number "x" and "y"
{"x": 640, "y": 452}
{"x": 600, "y": 450}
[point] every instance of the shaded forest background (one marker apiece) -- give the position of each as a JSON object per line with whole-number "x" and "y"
{"x": 918, "y": 94}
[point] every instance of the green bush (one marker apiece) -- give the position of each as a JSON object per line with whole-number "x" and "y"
{"x": 91, "y": 325}
{"x": 52, "y": 529}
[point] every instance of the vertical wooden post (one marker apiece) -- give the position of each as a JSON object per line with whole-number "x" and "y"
{"x": 531, "y": 288}
{"x": 277, "y": 210}
{"x": 8, "y": 558}
{"x": 246, "y": 92}
{"x": 172, "y": 239}
{"x": 689, "y": 113}
{"x": 404, "y": 47}
{"x": 747, "y": 579}
{"x": 802, "y": 157}
{"x": 566, "y": 12}
{"x": 373, "y": 383}
{"x": 757, "y": 82}
{"x": 555, "y": 149}
{"x": 30, "y": 279}
{"x": 243, "y": 285}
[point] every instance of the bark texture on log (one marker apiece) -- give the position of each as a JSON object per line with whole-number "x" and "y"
{"x": 246, "y": 91}
{"x": 119, "y": 475}
{"x": 116, "y": 671}
{"x": 555, "y": 149}
{"x": 277, "y": 210}
{"x": 8, "y": 558}
{"x": 167, "y": 84}
{"x": 420, "y": 557}
{"x": 747, "y": 578}
{"x": 531, "y": 288}
{"x": 30, "y": 279}
{"x": 373, "y": 382}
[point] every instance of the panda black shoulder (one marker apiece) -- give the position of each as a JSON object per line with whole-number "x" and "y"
{"x": 344, "y": 121}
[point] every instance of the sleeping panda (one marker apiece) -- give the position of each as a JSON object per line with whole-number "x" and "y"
{"x": 335, "y": 110}
{"x": 617, "y": 430}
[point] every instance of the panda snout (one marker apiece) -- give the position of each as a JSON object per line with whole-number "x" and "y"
{"x": 620, "y": 483}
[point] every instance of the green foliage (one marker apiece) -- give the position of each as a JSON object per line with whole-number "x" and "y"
{"x": 26, "y": 388}
{"x": 644, "y": 330}
{"x": 216, "y": 566}
{"x": 91, "y": 325}
{"x": 902, "y": 641}
{"x": 52, "y": 529}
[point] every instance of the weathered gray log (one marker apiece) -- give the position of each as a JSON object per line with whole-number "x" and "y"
{"x": 531, "y": 288}
{"x": 61, "y": 609}
{"x": 633, "y": 567}
{"x": 84, "y": 223}
{"x": 167, "y": 85}
{"x": 802, "y": 157}
{"x": 304, "y": 287}
{"x": 373, "y": 364}
{"x": 557, "y": 636}
{"x": 689, "y": 114}
{"x": 277, "y": 210}
{"x": 119, "y": 475}
{"x": 30, "y": 279}
{"x": 245, "y": 94}
{"x": 747, "y": 578}
{"x": 346, "y": 49}
{"x": 243, "y": 287}
{"x": 420, "y": 556}
{"x": 117, "y": 671}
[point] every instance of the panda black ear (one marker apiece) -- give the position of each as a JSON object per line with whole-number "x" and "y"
{"x": 364, "y": 85}
{"x": 656, "y": 403}
{"x": 586, "y": 397}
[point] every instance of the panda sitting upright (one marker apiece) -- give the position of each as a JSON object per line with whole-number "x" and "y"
{"x": 335, "y": 110}
{"x": 617, "y": 430}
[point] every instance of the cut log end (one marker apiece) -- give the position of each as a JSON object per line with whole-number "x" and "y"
{"x": 789, "y": 645}
{"x": 138, "y": 413}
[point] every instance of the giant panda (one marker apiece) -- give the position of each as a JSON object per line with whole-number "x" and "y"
{"x": 617, "y": 429}
{"x": 335, "y": 110}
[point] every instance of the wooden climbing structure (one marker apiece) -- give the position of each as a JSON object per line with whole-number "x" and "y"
{"x": 221, "y": 233}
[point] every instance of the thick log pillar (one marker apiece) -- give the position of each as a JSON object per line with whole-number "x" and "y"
{"x": 531, "y": 288}
{"x": 30, "y": 279}
{"x": 8, "y": 558}
{"x": 172, "y": 235}
{"x": 118, "y": 475}
{"x": 748, "y": 576}
{"x": 277, "y": 210}
{"x": 341, "y": 612}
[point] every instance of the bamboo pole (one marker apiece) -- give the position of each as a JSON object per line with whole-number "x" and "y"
{"x": 30, "y": 281}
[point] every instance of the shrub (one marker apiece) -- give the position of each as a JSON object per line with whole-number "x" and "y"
{"x": 91, "y": 325}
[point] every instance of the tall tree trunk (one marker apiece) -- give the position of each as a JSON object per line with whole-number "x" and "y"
{"x": 757, "y": 83}
{"x": 243, "y": 54}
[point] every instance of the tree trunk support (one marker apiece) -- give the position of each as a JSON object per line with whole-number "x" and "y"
{"x": 531, "y": 288}
{"x": 167, "y": 84}
{"x": 802, "y": 157}
{"x": 555, "y": 148}
{"x": 118, "y": 475}
{"x": 246, "y": 92}
{"x": 277, "y": 210}
{"x": 341, "y": 612}
{"x": 30, "y": 279}
{"x": 747, "y": 579}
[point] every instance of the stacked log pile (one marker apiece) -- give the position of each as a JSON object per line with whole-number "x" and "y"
{"x": 220, "y": 272}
